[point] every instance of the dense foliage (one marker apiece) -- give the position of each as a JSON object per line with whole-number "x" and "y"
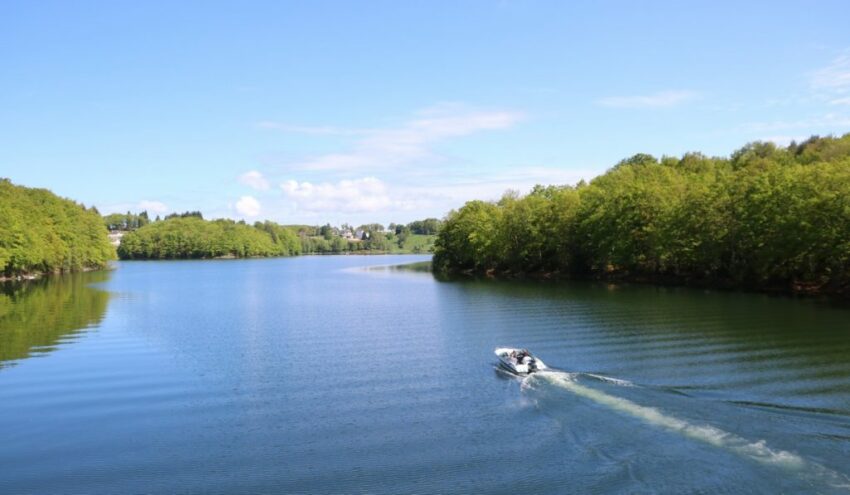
{"x": 185, "y": 214}
{"x": 41, "y": 232}
{"x": 764, "y": 217}
{"x": 192, "y": 237}
{"x": 370, "y": 238}
{"x": 429, "y": 226}
{"x": 189, "y": 236}
{"x": 126, "y": 221}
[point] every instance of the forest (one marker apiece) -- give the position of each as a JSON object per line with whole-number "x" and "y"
{"x": 766, "y": 217}
{"x": 43, "y": 233}
{"x": 128, "y": 221}
{"x": 190, "y": 236}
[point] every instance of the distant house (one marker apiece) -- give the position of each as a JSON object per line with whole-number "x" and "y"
{"x": 115, "y": 237}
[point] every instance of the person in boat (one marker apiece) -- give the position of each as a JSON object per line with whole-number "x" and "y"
{"x": 521, "y": 355}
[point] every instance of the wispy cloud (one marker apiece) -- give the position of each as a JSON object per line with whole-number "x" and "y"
{"x": 829, "y": 121}
{"x": 255, "y": 180}
{"x": 834, "y": 79}
{"x": 661, "y": 99}
{"x": 248, "y": 206}
{"x": 156, "y": 207}
{"x": 374, "y": 180}
{"x": 406, "y": 144}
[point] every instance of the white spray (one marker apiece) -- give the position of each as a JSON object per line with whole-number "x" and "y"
{"x": 711, "y": 435}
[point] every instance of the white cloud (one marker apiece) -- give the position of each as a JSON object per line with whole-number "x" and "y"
{"x": 656, "y": 100}
{"x": 248, "y": 206}
{"x": 840, "y": 101}
{"x": 254, "y": 180}
{"x": 834, "y": 78}
{"x": 373, "y": 179}
{"x": 361, "y": 195}
{"x": 156, "y": 207}
{"x": 408, "y": 143}
{"x": 372, "y": 199}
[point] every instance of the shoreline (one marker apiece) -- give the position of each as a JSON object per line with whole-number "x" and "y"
{"x": 232, "y": 257}
{"x": 38, "y": 275}
{"x": 808, "y": 291}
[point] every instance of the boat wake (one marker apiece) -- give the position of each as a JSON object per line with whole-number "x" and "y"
{"x": 757, "y": 451}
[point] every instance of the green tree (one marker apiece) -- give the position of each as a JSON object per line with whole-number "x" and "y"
{"x": 764, "y": 217}
{"x": 41, "y": 232}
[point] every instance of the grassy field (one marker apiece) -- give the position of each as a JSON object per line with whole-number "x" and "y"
{"x": 415, "y": 243}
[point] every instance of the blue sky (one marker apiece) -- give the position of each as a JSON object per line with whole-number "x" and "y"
{"x": 343, "y": 111}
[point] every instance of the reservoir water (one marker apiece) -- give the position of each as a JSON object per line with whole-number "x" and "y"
{"x": 347, "y": 375}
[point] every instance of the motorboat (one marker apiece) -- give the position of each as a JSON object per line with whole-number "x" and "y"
{"x": 518, "y": 361}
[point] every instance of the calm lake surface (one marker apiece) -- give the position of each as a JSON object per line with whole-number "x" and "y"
{"x": 341, "y": 375}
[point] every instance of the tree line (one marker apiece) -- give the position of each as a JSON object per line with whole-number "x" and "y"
{"x": 336, "y": 244}
{"x": 126, "y": 221}
{"x": 764, "y": 217}
{"x": 367, "y": 238}
{"x": 190, "y": 236}
{"x": 41, "y": 232}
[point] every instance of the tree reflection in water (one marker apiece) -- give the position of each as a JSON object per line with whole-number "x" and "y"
{"x": 36, "y": 317}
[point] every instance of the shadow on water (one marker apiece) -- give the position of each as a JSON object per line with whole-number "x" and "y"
{"x": 418, "y": 267}
{"x": 661, "y": 331}
{"x": 37, "y": 316}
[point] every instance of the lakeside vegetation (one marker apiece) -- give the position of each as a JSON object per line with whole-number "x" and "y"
{"x": 766, "y": 217}
{"x": 188, "y": 235}
{"x": 191, "y": 236}
{"x": 126, "y": 221}
{"x": 43, "y": 233}
{"x": 413, "y": 238}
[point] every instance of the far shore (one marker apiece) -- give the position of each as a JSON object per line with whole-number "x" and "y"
{"x": 232, "y": 257}
{"x": 36, "y": 275}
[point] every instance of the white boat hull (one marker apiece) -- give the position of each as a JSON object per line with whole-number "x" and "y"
{"x": 508, "y": 360}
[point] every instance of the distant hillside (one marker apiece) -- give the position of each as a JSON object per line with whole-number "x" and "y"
{"x": 41, "y": 232}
